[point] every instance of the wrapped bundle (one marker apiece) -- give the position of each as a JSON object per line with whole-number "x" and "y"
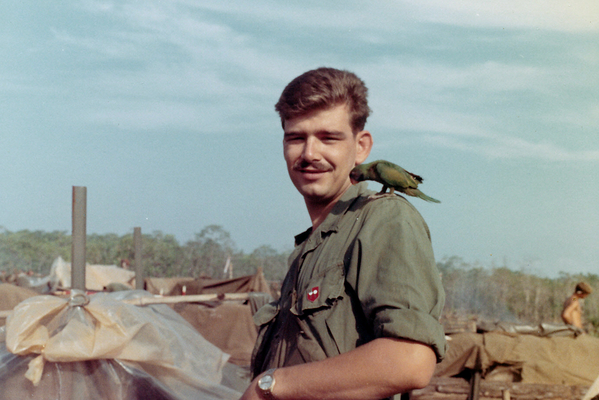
{"x": 99, "y": 347}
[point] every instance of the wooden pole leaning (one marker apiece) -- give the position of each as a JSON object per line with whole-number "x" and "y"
{"x": 194, "y": 298}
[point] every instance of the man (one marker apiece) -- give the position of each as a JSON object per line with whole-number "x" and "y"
{"x": 572, "y": 311}
{"x": 359, "y": 307}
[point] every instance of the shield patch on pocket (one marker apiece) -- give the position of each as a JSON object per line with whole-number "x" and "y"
{"x": 313, "y": 293}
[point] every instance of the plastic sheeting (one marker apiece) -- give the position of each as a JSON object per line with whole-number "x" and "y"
{"x": 98, "y": 347}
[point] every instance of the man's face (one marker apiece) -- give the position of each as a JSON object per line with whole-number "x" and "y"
{"x": 320, "y": 150}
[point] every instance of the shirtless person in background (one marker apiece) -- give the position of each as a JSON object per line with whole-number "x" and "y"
{"x": 572, "y": 312}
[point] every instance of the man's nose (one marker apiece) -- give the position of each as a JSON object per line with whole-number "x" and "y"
{"x": 311, "y": 149}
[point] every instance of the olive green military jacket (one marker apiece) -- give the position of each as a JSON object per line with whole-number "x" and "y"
{"x": 367, "y": 271}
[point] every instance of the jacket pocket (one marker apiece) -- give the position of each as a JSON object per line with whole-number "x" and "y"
{"x": 266, "y": 314}
{"x": 322, "y": 291}
{"x": 263, "y": 318}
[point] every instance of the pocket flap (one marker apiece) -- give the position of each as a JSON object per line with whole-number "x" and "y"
{"x": 266, "y": 313}
{"x": 322, "y": 290}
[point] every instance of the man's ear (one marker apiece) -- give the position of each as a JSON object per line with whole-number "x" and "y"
{"x": 363, "y": 146}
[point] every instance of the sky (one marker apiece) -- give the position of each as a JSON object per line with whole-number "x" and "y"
{"x": 164, "y": 111}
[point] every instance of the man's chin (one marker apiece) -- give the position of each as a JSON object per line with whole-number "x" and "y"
{"x": 317, "y": 194}
{"x": 312, "y": 191}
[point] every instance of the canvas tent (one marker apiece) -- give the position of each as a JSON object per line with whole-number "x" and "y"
{"x": 525, "y": 358}
{"x": 96, "y": 276}
{"x": 164, "y": 286}
{"x": 98, "y": 347}
{"x": 227, "y": 325}
{"x": 174, "y": 286}
{"x": 11, "y": 295}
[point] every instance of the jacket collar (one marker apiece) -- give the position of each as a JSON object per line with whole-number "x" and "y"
{"x": 310, "y": 239}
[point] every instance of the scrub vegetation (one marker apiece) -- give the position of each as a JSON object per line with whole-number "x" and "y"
{"x": 494, "y": 293}
{"x": 163, "y": 256}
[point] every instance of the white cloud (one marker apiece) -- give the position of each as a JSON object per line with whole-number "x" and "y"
{"x": 179, "y": 32}
{"x": 195, "y": 67}
{"x": 389, "y": 15}
{"x": 432, "y": 81}
{"x": 583, "y": 120}
{"x": 98, "y": 46}
{"x": 509, "y": 147}
{"x": 497, "y": 110}
{"x": 558, "y": 15}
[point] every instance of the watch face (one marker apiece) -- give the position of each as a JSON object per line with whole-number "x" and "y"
{"x": 265, "y": 382}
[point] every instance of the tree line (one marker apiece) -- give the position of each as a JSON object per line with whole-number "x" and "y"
{"x": 205, "y": 255}
{"x": 502, "y": 294}
{"x": 498, "y": 293}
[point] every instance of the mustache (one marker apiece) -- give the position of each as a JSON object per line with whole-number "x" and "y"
{"x": 313, "y": 165}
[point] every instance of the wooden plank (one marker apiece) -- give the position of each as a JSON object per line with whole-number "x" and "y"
{"x": 194, "y": 298}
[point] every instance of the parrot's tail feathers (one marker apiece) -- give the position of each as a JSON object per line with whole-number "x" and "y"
{"x": 418, "y": 193}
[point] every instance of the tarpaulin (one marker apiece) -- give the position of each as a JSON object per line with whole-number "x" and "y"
{"x": 97, "y": 338}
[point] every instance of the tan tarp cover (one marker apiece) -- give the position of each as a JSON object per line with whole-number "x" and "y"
{"x": 96, "y": 276}
{"x": 164, "y": 286}
{"x": 154, "y": 339}
{"x": 530, "y": 358}
{"x": 244, "y": 284}
{"x": 11, "y": 295}
{"x": 228, "y": 325}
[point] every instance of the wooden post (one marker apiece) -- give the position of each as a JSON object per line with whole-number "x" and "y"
{"x": 139, "y": 271}
{"x": 78, "y": 237}
{"x": 475, "y": 385}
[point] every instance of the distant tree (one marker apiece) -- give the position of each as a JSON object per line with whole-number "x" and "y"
{"x": 496, "y": 293}
{"x": 103, "y": 249}
{"x": 32, "y": 251}
{"x": 272, "y": 263}
{"x": 208, "y": 252}
{"x": 502, "y": 294}
{"x": 162, "y": 254}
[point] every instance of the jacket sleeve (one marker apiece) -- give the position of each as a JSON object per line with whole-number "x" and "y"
{"x": 394, "y": 274}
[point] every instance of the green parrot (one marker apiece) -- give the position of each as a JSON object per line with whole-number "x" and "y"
{"x": 391, "y": 176}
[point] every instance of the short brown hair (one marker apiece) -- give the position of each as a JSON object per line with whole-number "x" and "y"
{"x": 323, "y": 88}
{"x": 584, "y": 288}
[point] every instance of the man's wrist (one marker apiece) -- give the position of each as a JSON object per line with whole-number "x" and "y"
{"x": 266, "y": 384}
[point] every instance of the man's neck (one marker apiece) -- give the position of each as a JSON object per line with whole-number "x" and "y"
{"x": 319, "y": 211}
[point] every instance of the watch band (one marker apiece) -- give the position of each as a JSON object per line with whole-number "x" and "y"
{"x": 266, "y": 383}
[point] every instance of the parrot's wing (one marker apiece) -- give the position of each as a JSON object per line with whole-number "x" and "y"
{"x": 396, "y": 176}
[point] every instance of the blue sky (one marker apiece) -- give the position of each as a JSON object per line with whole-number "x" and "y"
{"x": 164, "y": 111}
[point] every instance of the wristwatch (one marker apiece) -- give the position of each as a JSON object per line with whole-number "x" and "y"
{"x": 266, "y": 383}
